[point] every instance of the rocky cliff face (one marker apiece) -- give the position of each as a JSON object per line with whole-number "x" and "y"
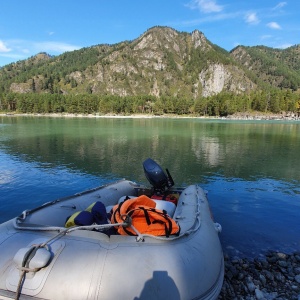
{"x": 161, "y": 62}
{"x": 199, "y": 40}
{"x": 218, "y": 78}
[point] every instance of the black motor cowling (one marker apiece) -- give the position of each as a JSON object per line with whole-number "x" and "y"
{"x": 156, "y": 176}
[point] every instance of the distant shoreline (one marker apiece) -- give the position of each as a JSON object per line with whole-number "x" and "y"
{"x": 247, "y": 116}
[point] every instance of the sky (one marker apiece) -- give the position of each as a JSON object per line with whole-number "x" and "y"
{"x": 28, "y": 27}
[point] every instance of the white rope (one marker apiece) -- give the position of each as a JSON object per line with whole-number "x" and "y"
{"x": 63, "y": 231}
{"x": 140, "y": 237}
{"x": 98, "y": 227}
{"x": 67, "y": 230}
{"x": 24, "y": 268}
{"x": 20, "y": 283}
{"x": 36, "y": 228}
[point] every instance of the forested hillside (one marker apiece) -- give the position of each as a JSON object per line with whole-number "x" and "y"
{"x": 162, "y": 71}
{"x": 277, "y": 67}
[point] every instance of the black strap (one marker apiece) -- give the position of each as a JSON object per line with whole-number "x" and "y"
{"x": 168, "y": 229}
{"x": 128, "y": 232}
{"x": 117, "y": 210}
{"x": 167, "y": 224}
{"x": 146, "y": 215}
{"x": 167, "y": 233}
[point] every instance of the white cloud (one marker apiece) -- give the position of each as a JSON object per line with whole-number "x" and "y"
{"x": 33, "y": 47}
{"x": 13, "y": 56}
{"x": 252, "y": 19}
{"x": 206, "y": 19}
{"x": 3, "y": 47}
{"x": 266, "y": 37}
{"x": 16, "y": 49}
{"x": 235, "y": 44}
{"x": 280, "y": 5}
{"x": 54, "y": 47}
{"x": 274, "y": 25}
{"x": 284, "y": 46}
{"x": 26, "y": 51}
{"x": 205, "y": 6}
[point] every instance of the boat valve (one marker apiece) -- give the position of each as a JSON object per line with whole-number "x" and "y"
{"x": 32, "y": 259}
{"x": 218, "y": 227}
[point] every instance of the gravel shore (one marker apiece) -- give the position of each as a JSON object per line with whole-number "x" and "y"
{"x": 274, "y": 276}
{"x": 247, "y": 116}
{"x": 283, "y": 116}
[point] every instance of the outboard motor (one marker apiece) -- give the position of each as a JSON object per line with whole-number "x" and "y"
{"x": 157, "y": 177}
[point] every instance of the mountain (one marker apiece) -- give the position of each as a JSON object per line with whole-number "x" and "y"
{"x": 276, "y": 67}
{"x": 161, "y": 62}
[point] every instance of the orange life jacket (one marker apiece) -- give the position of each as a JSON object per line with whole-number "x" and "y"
{"x": 145, "y": 218}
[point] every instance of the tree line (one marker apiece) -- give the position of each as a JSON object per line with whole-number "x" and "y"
{"x": 222, "y": 104}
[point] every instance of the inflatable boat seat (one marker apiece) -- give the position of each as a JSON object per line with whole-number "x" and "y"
{"x": 169, "y": 207}
{"x": 123, "y": 198}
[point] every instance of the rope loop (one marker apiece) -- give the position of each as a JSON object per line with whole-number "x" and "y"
{"x": 24, "y": 214}
{"x": 25, "y": 265}
{"x": 127, "y": 220}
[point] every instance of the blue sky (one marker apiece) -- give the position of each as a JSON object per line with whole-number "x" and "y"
{"x": 28, "y": 27}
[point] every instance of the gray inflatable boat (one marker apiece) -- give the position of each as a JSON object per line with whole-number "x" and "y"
{"x": 41, "y": 258}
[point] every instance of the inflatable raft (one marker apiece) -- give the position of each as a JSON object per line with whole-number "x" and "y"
{"x": 56, "y": 252}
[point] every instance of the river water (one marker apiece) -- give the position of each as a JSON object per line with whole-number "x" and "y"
{"x": 250, "y": 169}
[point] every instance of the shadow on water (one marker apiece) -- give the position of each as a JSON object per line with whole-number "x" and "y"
{"x": 160, "y": 286}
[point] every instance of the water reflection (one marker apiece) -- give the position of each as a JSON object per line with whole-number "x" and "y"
{"x": 249, "y": 168}
{"x": 6, "y": 176}
{"x": 189, "y": 147}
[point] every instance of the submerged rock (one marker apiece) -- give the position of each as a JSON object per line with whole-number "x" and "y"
{"x": 274, "y": 276}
